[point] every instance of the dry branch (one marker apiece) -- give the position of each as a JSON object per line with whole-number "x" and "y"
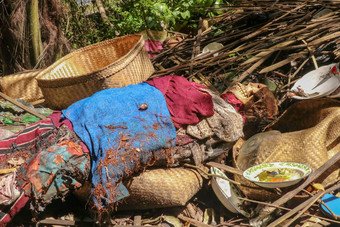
{"x": 249, "y": 34}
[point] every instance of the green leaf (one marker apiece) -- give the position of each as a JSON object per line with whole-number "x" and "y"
{"x": 185, "y": 14}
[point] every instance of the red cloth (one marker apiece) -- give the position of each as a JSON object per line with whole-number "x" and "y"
{"x": 154, "y": 46}
{"x": 58, "y": 121}
{"x": 235, "y": 102}
{"x": 186, "y": 101}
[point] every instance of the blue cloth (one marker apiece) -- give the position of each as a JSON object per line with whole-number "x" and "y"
{"x": 121, "y": 135}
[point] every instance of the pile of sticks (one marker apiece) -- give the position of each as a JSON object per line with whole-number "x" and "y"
{"x": 261, "y": 40}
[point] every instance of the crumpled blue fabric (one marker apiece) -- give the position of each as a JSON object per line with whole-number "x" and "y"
{"x": 123, "y": 128}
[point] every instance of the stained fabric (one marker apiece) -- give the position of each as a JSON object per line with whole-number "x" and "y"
{"x": 12, "y": 198}
{"x": 187, "y": 101}
{"x": 53, "y": 172}
{"x": 38, "y": 140}
{"x": 58, "y": 121}
{"x": 8, "y": 190}
{"x": 8, "y": 212}
{"x": 124, "y": 128}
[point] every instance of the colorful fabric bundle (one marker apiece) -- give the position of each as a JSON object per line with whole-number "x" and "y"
{"x": 51, "y": 173}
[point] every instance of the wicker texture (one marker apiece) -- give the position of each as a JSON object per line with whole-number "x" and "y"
{"x": 22, "y": 85}
{"x": 108, "y": 64}
{"x": 159, "y": 188}
{"x": 311, "y": 132}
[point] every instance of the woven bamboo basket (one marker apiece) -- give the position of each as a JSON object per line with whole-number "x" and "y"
{"x": 22, "y": 85}
{"x": 156, "y": 188}
{"x": 307, "y": 132}
{"x": 109, "y": 64}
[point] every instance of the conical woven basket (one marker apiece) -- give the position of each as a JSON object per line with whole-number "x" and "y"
{"x": 109, "y": 64}
{"x": 307, "y": 132}
{"x": 22, "y": 85}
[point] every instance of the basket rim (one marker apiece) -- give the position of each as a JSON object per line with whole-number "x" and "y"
{"x": 50, "y": 83}
{"x": 23, "y": 72}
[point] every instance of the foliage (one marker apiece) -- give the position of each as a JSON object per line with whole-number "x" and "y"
{"x": 132, "y": 16}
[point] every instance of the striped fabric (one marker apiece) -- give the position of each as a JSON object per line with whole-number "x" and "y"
{"x": 27, "y": 137}
{"x": 9, "y": 212}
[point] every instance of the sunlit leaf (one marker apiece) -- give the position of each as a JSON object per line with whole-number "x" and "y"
{"x": 318, "y": 186}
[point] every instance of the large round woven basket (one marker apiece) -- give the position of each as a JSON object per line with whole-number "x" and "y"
{"x": 109, "y": 64}
{"x": 22, "y": 85}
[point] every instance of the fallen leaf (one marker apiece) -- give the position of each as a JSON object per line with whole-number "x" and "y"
{"x": 318, "y": 186}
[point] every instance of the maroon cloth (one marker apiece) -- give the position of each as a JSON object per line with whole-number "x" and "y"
{"x": 58, "y": 121}
{"x": 187, "y": 101}
{"x": 235, "y": 102}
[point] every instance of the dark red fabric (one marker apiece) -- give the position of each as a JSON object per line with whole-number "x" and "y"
{"x": 235, "y": 102}
{"x": 58, "y": 121}
{"x": 186, "y": 101}
{"x": 154, "y": 46}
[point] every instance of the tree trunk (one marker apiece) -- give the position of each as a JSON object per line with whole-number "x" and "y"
{"x": 35, "y": 31}
{"x": 102, "y": 12}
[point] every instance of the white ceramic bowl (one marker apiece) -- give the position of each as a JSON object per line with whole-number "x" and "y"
{"x": 226, "y": 192}
{"x": 277, "y": 174}
{"x": 317, "y": 83}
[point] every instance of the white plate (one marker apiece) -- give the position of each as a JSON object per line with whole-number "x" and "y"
{"x": 226, "y": 192}
{"x": 309, "y": 83}
{"x": 297, "y": 172}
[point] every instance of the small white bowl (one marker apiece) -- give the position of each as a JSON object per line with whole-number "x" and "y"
{"x": 226, "y": 192}
{"x": 211, "y": 47}
{"x": 277, "y": 174}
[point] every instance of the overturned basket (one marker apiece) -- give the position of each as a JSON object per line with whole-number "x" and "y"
{"x": 109, "y": 64}
{"x": 22, "y": 85}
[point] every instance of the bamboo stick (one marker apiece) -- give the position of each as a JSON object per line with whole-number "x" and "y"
{"x": 22, "y": 106}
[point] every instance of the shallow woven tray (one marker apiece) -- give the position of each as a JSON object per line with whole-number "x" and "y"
{"x": 109, "y": 64}
{"x": 159, "y": 188}
{"x": 22, "y": 85}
